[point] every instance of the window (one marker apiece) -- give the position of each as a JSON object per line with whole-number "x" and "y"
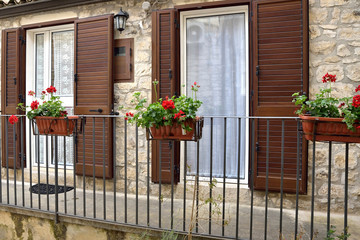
{"x": 214, "y": 50}
{"x": 50, "y": 61}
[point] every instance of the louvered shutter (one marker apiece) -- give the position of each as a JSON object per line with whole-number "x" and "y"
{"x": 165, "y": 70}
{"x": 12, "y": 92}
{"x": 94, "y": 93}
{"x": 280, "y": 57}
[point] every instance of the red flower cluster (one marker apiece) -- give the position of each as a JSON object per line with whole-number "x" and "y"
{"x": 31, "y": 93}
{"x": 63, "y": 113}
{"x": 356, "y": 101}
{"x": 129, "y": 114}
{"x": 13, "y": 119}
{"x": 34, "y": 105}
{"x": 51, "y": 89}
{"x": 43, "y": 92}
{"x": 341, "y": 104}
{"x": 168, "y": 104}
{"x": 357, "y": 89}
{"x": 179, "y": 115}
{"x": 328, "y": 78}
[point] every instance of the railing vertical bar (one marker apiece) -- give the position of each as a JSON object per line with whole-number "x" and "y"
{"x": 313, "y": 184}
{"x": 104, "y": 182}
{"x": 38, "y": 167}
{"x": 7, "y": 159}
{"x": 22, "y": 161}
{"x": 125, "y": 169}
{"x": 267, "y": 177}
{"x": 56, "y": 181}
{"x": 47, "y": 173}
{"x": 75, "y": 145}
{"x": 238, "y": 181}
{"x": 297, "y": 179}
{"x": 114, "y": 165}
{"x": 30, "y": 161}
{"x": 1, "y": 162}
{"x": 211, "y": 170}
{"x": 252, "y": 177}
{"x": 84, "y": 157}
{"x": 65, "y": 192}
{"x": 224, "y": 180}
{"x": 160, "y": 197}
{"x": 282, "y": 176}
{"x": 148, "y": 185}
{"x": 184, "y": 198}
{"x": 15, "y": 164}
{"x": 329, "y": 191}
{"x": 197, "y": 185}
{"x": 172, "y": 185}
{"x": 346, "y": 190}
{"x": 93, "y": 167}
{"x": 137, "y": 175}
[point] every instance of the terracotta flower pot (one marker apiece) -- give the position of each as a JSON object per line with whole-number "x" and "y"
{"x": 59, "y": 126}
{"x": 329, "y": 129}
{"x": 176, "y": 132}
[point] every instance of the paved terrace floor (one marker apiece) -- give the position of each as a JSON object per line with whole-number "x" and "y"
{"x": 106, "y": 207}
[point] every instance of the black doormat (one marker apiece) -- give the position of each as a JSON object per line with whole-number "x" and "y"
{"x": 51, "y": 188}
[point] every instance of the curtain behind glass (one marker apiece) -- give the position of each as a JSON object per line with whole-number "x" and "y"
{"x": 216, "y": 60}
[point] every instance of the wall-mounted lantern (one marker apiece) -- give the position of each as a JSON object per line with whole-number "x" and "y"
{"x": 120, "y": 20}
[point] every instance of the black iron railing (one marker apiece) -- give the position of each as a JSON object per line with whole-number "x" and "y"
{"x": 200, "y": 204}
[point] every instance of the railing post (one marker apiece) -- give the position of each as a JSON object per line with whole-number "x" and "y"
{"x": 56, "y": 181}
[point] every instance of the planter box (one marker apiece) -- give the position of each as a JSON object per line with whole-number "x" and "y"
{"x": 176, "y": 132}
{"x": 329, "y": 129}
{"x": 59, "y": 126}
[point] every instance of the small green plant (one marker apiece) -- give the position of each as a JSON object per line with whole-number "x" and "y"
{"x": 325, "y": 105}
{"x": 169, "y": 235}
{"x": 164, "y": 112}
{"x": 47, "y": 105}
{"x": 332, "y": 234}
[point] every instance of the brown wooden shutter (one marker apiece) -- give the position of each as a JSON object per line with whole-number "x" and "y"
{"x": 12, "y": 92}
{"x": 94, "y": 92}
{"x": 165, "y": 70}
{"x": 280, "y": 68}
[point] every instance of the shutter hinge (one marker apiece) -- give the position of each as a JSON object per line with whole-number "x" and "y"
{"x": 177, "y": 170}
{"x": 21, "y": 97}
{"x": 22, "y": 40}
{"x": 131, "y": 67}
{"x": 251, "y": 94}
{"x": 14, "y": 78}
{"x": 130, "y": 52}
{"x": 170, "y": 144}
{"x": 177, "y": 26}
{"x": 170, "y": 74}
{"x": 75, "y": 77}
{"x": 76, "y": 139}
{"x": 257, "y": 70}
{"x": 257, "y": 147}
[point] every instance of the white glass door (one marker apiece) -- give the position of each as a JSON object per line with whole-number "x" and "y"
{"x": 215, "y": 55}
{"x": 53, "y": 55}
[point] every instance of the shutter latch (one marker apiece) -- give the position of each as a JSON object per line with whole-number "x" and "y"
{"x": 75, "y": 77}
{"x": 131, "y": 67}
{"x": 170, "y": 74}
{"x": 257, "y": 70}
{"x": 170, "y": 144}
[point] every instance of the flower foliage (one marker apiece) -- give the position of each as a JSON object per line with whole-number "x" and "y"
{"x": 165, "y": 112}
{"x": 324, "y": 105}
{"x": 47, "y": 105}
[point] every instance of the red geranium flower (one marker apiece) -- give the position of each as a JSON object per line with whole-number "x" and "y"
{"x": 51, "y": 89}
{"x": 63, "y": 113}
{"x": 43, "y": 92}
{"x": 31, "y": 93}
{"x": 13, "y": 119}
{"x": 34, "y": 105}
{"x": 168, "y": 104}
{"x": 341, "y": 104}
{"x": 357, "y": 89}
{"x": 328, "y": 78}
{"x": 179, "y": 115}
{"x": 356, "y": 101}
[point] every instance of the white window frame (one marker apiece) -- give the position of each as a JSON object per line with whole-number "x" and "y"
{"x": 30, "y": 82}
{"x": 206, "y": 13}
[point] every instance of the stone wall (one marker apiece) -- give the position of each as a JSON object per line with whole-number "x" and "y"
{"x": 334, "y": 48}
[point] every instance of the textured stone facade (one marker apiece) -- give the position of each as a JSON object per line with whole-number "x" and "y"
{"x": 334, "y": 47}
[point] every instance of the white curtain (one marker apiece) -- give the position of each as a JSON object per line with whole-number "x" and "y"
{"x": 216, "y": 60}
